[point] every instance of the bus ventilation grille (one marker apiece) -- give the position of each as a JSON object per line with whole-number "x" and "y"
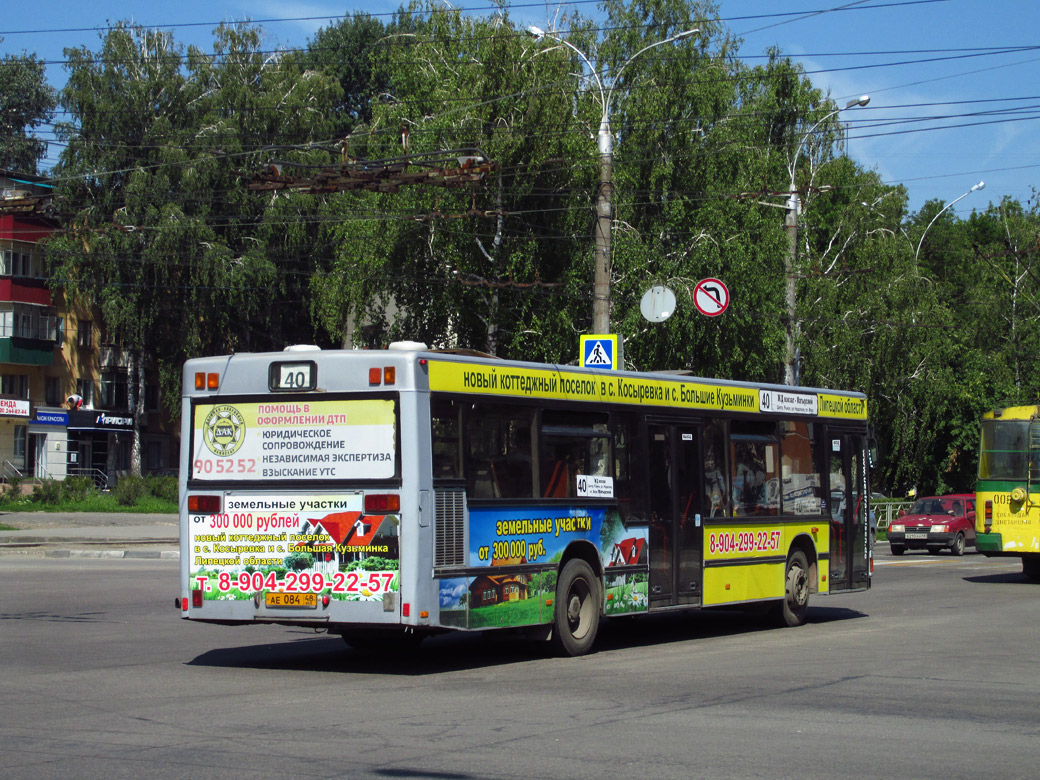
{"x": 451, "y": 528}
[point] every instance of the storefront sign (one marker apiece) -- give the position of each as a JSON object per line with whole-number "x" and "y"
{"x": 9, "y": 407}
{"x": 51, "y": 418}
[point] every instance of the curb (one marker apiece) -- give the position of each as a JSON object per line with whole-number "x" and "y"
{"x": 125, "y": 554}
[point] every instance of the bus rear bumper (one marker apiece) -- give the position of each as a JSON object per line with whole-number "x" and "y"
{"x": 989, "y": 544}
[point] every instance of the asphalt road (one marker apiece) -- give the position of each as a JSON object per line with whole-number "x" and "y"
{"x": 931, "y": 674}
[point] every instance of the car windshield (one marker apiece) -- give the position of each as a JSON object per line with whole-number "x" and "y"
{"x": 930, "y": 506}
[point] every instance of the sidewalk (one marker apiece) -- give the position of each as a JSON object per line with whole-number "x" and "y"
{"x": 90, "y": 535}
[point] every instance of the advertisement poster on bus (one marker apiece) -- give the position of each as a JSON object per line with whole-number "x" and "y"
{"x": 293, "y": 549}
{"x": 521, "y": 548}
{"x": 288, "y": 440}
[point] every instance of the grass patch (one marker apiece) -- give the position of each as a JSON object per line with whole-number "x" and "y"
{"x": 153, "y": 495}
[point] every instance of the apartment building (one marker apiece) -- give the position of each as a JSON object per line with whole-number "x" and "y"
{"x": 64, "y": 391}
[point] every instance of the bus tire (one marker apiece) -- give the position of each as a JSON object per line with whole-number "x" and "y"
{"x": 575, "y": 609}
{"x": 794, "y": 607}
{"x": 957, "y": 548}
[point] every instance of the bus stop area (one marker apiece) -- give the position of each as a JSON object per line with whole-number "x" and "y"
{"x": 90, "y": 534}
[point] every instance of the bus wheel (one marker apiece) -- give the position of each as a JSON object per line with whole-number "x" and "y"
{"x": 957, "y": 548}
{"x": 1031, "y": 568}
{"x": 576, "y": 609}
{"x": 795, "y": 605}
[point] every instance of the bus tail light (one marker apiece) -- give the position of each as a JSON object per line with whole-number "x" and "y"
{"x": 386, "y": 375}
{"x": 989, "y": 516}
{"x": 196, "y": 598}
{"x": 204, "y": 505}
{"x": 204, "y": 381}
{"x": 382, "y": 503}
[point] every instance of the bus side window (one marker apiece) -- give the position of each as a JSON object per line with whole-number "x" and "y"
{"x": 754, "y": 468}
{"x": 626, "y": 460}
{"x": 498, "y": 462}
{"x": 572, "y": 444}
{"x": 802, "y": 492}
{"x": 716, "y": 490}
{"x": 446, "y": 430}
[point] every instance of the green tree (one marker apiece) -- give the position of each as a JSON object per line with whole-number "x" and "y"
{"x": 345, "y": 50}
{"x": 165, "y": 238}
{"x": 27, "y": 103}
{"x": 489, "y": 268}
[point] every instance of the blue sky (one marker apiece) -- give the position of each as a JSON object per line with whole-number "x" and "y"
{"x": 943, "y": 63}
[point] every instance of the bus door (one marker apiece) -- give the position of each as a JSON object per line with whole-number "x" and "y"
{"x": 675, "y": 522}
{"x": 848, "y": 508}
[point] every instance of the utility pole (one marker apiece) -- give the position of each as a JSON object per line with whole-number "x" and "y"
{"x": 794, "y": 208}
{"x": 605, "y": 141}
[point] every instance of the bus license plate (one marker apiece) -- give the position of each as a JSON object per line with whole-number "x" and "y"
{"x": 916, "y": 536}
{"x": 292, "y": 600}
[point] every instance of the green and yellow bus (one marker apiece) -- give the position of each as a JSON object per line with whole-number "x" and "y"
{"x": 1007, "y": 520}
{"x": 392, "y": 494}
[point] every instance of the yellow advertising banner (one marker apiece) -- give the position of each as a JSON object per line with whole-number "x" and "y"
{"x": 556, "y": 384}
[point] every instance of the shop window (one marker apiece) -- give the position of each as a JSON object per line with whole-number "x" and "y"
{"x": 20, "y": 434}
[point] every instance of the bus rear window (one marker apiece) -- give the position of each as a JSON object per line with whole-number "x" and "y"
{"x": 345, "y": 439}
{"x": 1004, "y": 450}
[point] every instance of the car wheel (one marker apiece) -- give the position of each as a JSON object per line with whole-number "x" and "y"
{"x": 897, "y": 549}
{"x": 957, "y": 548}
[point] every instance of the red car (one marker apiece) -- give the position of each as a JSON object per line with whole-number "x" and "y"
{"x": 935, "y": 523}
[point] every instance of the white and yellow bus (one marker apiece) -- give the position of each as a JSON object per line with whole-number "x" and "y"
{"x": 400, "y": 493}
{"x": 1007, "y": 494}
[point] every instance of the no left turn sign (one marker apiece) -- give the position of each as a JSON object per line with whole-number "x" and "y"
{"x": 711, "y": 297}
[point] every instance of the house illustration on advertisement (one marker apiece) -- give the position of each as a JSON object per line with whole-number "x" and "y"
{"x": 353, "y": 537}
{"x": 489, "y": 589}
{"x": 627, "y": 552}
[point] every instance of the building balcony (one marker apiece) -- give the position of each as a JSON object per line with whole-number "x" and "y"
{"x": 26, "y": 351}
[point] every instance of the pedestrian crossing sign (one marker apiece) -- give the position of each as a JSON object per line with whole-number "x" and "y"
{"x": 599, "y": 351}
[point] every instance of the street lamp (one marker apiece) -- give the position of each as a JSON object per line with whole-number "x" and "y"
{"x": 794, "y": 208}
{"x": 979, "y": 186}
{"x": 605, "y": 143}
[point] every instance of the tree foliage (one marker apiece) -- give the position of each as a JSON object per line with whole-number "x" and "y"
{"x": 164, "y": 235}
{"x": 936, "y": 318}
{"x": 27, "y": 102}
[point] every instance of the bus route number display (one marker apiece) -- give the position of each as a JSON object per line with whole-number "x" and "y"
{"x": 298, "y": 375}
